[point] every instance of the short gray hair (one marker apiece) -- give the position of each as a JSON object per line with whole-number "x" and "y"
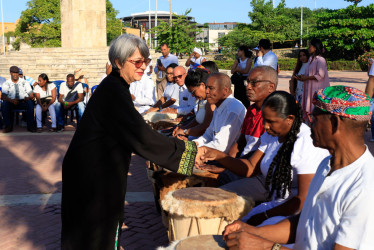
{"x": 124, "y": 46}
{"x": 269, "y": 72}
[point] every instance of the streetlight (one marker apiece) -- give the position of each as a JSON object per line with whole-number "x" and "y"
{"x": 149, "y": 24}
{"x": 2, "y": 21}
{"x": 156, "y": 25}
{"x": 301, "y": 28}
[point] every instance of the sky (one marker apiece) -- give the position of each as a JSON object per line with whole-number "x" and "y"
{"x": 204, "y": 11}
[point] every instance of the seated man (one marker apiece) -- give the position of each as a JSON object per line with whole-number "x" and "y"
{"x": 143, "y": 93}
{"x": 171, "y": 93}
{"x": 186, "y": 100}
{"x": 70, "y": 98}
{"x": 28, "y": 79}
{"x": 17, "y": 94}
{"x": 337, "y": 213}
{"x": 228, "y": 116}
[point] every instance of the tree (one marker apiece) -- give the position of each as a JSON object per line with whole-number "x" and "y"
{"x": 40, "y": 23}
{"x": 180, "y": 36}
{"x": 355, "y": 2}
{"x": 346, "y": 33}
{"x": 113, "y": 25}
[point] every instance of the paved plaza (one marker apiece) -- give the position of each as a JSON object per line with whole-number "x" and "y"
{"x": 30, "y": 187}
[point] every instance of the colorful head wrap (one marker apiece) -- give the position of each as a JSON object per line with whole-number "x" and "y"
{"x": 344, "y": 101}
{"x": 198, "y": 66}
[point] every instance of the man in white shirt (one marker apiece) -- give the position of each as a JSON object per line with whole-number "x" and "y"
{"x": 186, "y": 100}
{"x": 337, "y": 213}
{"x": 17, "y": 94}
{"x": 70, "y": 98}
{"x": 265, "y": 56}
{"x": 160, "y": 68}
{"x": 143, "y": 93}
{"x": 228, "y": 116}
{"x": 170, "y": 96}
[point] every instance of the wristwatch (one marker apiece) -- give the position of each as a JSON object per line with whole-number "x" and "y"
{"x": 276, "y": 246}
{"x": 185, "y": 132}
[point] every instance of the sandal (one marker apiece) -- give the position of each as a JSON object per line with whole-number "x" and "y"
{"x": 39, "y": 130}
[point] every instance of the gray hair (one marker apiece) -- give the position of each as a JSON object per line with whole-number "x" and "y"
{"x": 269, "y": 72}
{"x": 124, "y": 46}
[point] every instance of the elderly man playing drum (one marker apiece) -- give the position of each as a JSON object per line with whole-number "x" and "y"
{"x": 337, "y": 212}
{"x": 95, "y": 167}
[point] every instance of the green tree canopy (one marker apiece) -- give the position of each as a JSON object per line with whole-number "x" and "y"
{"x": 180, "y": 35}
{"x": 40, "y": 23}
{"x": 346, "y": 33}
{"x": 355, "y": 2}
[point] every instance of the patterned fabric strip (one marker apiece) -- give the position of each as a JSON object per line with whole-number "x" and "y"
{"x": 188, "y": 158}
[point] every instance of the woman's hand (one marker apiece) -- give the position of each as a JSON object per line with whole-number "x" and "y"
{"x": 238, "y": 226}
{"x": 211, "y": 168}
{"x": 302, "y": 78}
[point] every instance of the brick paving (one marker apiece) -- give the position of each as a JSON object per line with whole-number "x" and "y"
{"x": 31, "y": 164}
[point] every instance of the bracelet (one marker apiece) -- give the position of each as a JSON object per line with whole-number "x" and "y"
{"x": 266, "y": 215}
{"x": 276, "y": 246}
{"x": 66, "y": 103}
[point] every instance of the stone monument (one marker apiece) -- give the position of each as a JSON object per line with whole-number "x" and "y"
{"x": 83, "y": 24}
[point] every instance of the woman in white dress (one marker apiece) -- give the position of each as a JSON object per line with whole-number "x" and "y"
{"x": 45, "y": 93}
{"x": 296, "y": 86}
{"x": 195, "y": 59}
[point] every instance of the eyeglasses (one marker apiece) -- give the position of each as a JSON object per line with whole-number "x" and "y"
{"x": 179, "y": 77}
{"x": 254, "y": 82}
{"x": 139, "y": 63}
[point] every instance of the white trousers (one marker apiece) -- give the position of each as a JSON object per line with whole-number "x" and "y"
{"x": 38, "y": 115}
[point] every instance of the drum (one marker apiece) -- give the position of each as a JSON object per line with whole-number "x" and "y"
{"x": 202, "y": 211}
{"x": 206, "y": 242}
{"x": 154, "y": 117}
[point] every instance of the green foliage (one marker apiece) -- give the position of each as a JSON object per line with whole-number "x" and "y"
{"x": 113, "y": 25}
{"x": 40, "y": 24}
{"x": 290, "y": 63}
{"x": 355, "y": 2}
{"x": 346, "y": 33}
{"x": 364, "y": 60}
{"x": 279, "y": 24}
{"x": 180, "y": 36}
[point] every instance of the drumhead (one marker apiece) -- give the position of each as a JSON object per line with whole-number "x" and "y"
{"x": 206, "y": 242}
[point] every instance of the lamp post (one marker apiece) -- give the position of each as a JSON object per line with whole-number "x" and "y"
{"x": 301, "y": 28}
{"x": 2, "y": 21}
{"x": 149, "y": 24}
{"x": 156, "y": 25}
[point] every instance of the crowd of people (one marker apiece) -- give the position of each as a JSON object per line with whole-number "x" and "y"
{"x": 300, "y": 155}
{"x": 34, "y": 98}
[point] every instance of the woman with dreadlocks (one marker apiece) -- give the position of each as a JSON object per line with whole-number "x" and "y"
{"x": 286, "y": 160}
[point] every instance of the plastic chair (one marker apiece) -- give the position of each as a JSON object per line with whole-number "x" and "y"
{"x": 85, "y": 98}
{"x": 58, "y": 84}
{"x": 93, "y": 89}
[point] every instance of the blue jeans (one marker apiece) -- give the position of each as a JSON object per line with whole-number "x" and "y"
{"x": 8, "y": 107}
{"x": 61, "y": 113}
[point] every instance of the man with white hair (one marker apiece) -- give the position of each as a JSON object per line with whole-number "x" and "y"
{"x": 195, "y": 58}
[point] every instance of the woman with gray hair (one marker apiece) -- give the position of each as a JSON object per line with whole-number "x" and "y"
{"x": 95, "y": 167}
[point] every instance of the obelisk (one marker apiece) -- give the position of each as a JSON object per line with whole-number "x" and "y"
{"x": 83, "y": 23}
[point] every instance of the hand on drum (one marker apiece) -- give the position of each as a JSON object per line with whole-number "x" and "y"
{"x": 169, "y": 110}
{"x": 244, "y": 240}
{"x": 211, "y": 168}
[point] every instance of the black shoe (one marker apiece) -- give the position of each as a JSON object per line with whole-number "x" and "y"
{"x": 32, "y": 130}
{"x": 59, "y": 129}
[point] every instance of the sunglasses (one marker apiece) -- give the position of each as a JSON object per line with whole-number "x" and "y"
{"x": 254, "y": 82}
{"x": 179, "y": 77}
{"x": 139, "y": 63}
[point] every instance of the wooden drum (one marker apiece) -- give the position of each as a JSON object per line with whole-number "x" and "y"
{"x": 206, "y": 242}
{"x": 202, "y": 211}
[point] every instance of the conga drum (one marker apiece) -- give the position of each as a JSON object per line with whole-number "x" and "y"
{"x": 202, "y": 211}
{"x": 205, "y": 242}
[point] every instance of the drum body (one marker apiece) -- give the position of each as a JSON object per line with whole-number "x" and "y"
{"x": 202, "y": 211}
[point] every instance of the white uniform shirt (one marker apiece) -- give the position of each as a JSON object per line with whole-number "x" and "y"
{"x": 143, "y": 91}
{"x": 64, "y": 89}
{"x": 18, "y": 90}
{"x": 166, "y": 62}
{"x": 269, "y": 59}
{"x": 186, "y": 101}
{"x": 172, "y": 91}
{"x": 48, "y": 92}
{"x": 339, "y": 207}
{"x": 224, "y": 128}
{"x": 301, "y": 162}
